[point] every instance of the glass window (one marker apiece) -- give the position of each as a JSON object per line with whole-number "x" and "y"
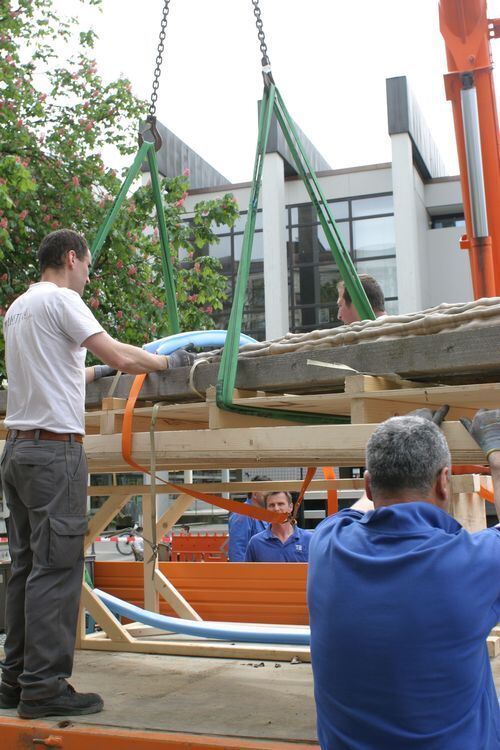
{"x": 255, "y": 290}
{"x": 304, "y": 317}
{"x": 327, "y": 317}
{"x": 325, "y": 254}
{"x": 305, "y": 214}
{"x": 239, "y": 224}
{"x": 443, "y": 222}
{"x": 219, "y": 228}
{"x": 381, "y": 204}
{"x": 304, "y": 241}
{"x": 339, "y": 209}
{"x": 392, "y": 307}
{"x": 328, "y": 278}
{"x": 222, "y": 249}
{"x": 374, "y": 237}
{"x": 304, "y": 286}
{"x": 384, "y": 271}
{"x": 257, "y": 247}
{"x": 253, "y": 321}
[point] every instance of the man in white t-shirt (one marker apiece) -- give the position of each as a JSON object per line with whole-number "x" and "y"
{"x": 47, "y": 331}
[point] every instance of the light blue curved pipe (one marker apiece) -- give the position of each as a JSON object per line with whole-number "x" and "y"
{"x": 169, "y": 344}
{"x": 230, "y": 631}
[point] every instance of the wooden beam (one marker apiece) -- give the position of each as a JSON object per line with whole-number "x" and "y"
{"x": 104, "y": 618}
{"x": 168, "y": 591}
{"x": 106, "y": 513}
{"x": 172, "y": 514}
{"x": 461, "y": 483}
{"x": 469, "y": 510}
{"x": 466, "y": 355}
{"x": 212, "y": 649}
{"x": 321, "y": 445}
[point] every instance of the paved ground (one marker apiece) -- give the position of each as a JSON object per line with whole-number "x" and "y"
{"x": 194, "y": 695}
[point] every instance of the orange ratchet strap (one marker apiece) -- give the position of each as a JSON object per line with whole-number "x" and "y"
{"x": 305, "y": 484}
{"x": 470, "y": 469}
{"x": 230, "y": 505}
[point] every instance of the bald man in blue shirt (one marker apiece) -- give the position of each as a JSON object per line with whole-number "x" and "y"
{"x": 401, "y": 600}
{"x": 279, "y": 542}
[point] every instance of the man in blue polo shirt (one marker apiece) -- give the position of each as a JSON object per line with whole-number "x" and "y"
{"x": 242, "y": 528}
{"x": 401, "y": 600}
{"x": 279, "y": 542}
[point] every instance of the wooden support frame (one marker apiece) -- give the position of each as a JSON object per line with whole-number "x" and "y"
{"x": 210, "y": 439}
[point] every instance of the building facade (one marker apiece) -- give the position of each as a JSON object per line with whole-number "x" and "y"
{"x": 401, "y": 222}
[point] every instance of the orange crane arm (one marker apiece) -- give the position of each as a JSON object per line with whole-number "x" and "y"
{"x": 469, "y": 86}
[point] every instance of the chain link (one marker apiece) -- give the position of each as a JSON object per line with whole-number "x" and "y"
{"x": 159, "y": 59}
{"x": 260, "y": 33}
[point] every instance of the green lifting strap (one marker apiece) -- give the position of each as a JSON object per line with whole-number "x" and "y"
{"x": 273, "y": 102}
{"x": 146, "y": 151}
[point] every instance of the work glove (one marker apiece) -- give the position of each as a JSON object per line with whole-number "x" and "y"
{"x": 437, "y": 415}
{"x": 180, "y": 358}
{"x": 485, "y": 429}
{"x": 103, "y": 371}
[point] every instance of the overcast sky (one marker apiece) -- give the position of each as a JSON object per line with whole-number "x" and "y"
{"x": 330, "y": 59}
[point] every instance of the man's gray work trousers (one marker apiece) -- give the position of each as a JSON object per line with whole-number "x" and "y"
{"x": 45, "y": 487}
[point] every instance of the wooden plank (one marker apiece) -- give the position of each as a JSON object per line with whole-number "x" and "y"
{"x": 493, "y": 643}
{"x": 369, "y": 404}
{"x": 461, "y": 483}
{"x": 467, "y": 355}
{"x": 469, "y": 510}
{"x": 103, "y": 617}
{"x": 178, "y": 603}
{"x": 211, "y": 649}
{"x": 321, "y": 445}
{"x": 367, "y": 383}
{"x": 172, "y": 514}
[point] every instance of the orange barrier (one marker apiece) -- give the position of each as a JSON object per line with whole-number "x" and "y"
{"x": 199, "y": 547}
{"x": 18, "y": 733}
{"x": 237, "y": 592}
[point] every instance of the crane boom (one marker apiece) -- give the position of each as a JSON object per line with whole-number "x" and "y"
{"x": 469, "y": 86}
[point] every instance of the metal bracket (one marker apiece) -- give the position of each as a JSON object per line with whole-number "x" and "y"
{"x": 153, "y": 130}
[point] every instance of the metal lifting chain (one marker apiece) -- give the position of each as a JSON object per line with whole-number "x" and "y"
{"x": 159, "y": 60}
{"x": 262, "y": 38}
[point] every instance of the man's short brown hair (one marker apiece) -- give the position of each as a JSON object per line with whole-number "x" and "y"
{"x": 373, "y": 291}
{"x": 54, "y": 247}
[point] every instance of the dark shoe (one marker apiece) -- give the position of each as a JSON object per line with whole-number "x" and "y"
{"x": 69, "y": 703}
{"x": 10, "y": 695}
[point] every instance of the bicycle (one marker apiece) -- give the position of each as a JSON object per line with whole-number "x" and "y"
{"x": 130, "y": 543}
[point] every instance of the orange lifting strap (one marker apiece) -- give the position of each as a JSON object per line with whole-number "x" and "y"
{"x": 230, "y": 505}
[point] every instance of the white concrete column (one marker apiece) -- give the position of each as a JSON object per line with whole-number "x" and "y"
{"x": 410, "y": 225}
{"x": 274, "y": 238}
{"x": 225, "y": 476}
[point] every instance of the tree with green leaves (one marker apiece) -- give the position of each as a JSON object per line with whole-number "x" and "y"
{"x": 56, "y": 120}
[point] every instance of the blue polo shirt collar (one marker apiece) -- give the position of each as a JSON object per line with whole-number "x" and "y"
{"x": 268, "y": 534}
{"x": 410, "y": 517}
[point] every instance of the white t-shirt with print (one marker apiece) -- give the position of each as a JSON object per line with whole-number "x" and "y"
{"x": 44, "y": 329}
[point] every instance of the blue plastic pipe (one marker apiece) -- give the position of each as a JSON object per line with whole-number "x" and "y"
{"x": 226, "y": 631}
{"x": 169, "y": 344}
